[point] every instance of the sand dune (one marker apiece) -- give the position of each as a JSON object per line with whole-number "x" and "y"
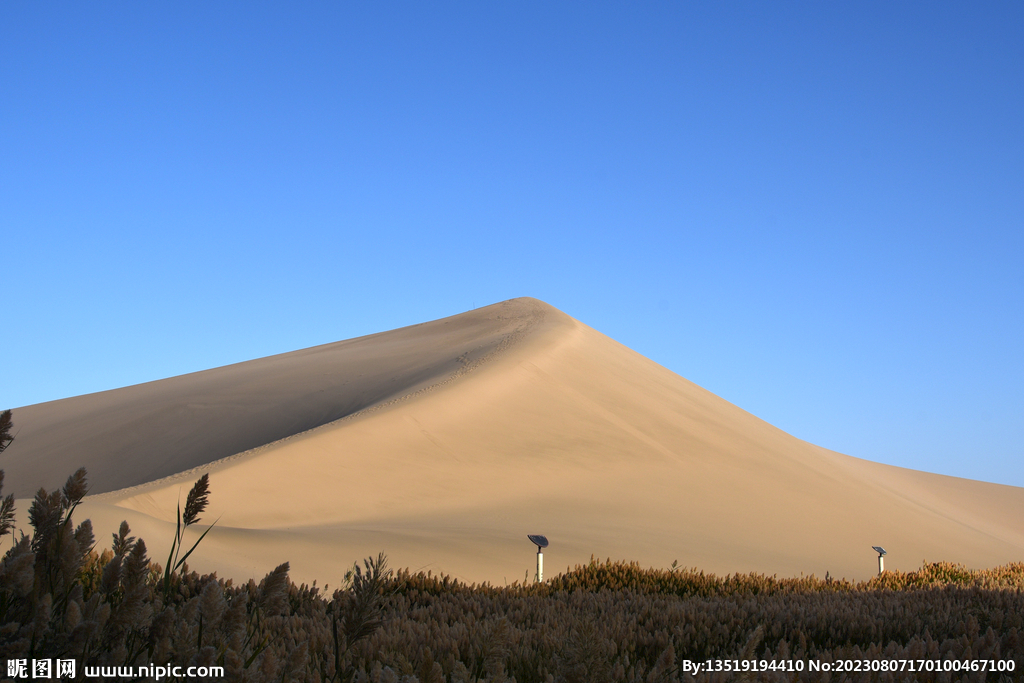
{"x": 444, "y": 444}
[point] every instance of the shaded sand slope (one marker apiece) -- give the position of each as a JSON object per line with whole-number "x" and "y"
{"x": 556, "y": 429}
{"x": 134, "y": 435}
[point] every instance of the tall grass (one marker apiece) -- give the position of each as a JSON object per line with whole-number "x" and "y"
{"x": 196, "y": 502}
{"x": 603, "y": 621}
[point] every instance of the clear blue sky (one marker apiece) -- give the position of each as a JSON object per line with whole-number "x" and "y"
{"x": 814, "y": 210}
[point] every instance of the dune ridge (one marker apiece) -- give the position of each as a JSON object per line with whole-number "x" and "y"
{"x": 168, "y": 426}
{"x": 458, "y": 437}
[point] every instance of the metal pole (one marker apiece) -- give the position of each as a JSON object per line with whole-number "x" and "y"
{"x": 540, "y": 565}
{"x": 881, "y": 565}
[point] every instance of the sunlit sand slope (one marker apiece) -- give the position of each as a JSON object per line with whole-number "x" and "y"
{"x": 543, "y": 426}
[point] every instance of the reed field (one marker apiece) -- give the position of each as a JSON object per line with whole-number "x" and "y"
{"x": 66, "y": 594}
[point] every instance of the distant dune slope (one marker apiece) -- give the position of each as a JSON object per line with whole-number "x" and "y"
{"x": 136, "y": 434}
{"x": 462, "y": 435}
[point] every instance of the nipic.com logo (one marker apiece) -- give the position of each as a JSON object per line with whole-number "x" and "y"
{"x": 40, "y": 668}
{"x": 65, "y": 668}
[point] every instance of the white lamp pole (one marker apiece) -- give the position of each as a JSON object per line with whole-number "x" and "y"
{"x": 541, "y": 542}
{"x": 881, "y": 558}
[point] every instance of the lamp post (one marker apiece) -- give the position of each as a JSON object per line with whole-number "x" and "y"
{"x": 881, "y": 555}
{"x": 541, "y": 542}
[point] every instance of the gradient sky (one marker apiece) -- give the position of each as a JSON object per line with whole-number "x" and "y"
{"x": 814, "y": 210}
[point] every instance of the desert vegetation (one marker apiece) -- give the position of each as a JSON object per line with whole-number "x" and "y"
{"x": 65, "y": 595}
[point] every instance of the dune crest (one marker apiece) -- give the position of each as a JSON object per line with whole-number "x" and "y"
{"x": 444, "y": 444}
{"x": 137, "y": 434}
